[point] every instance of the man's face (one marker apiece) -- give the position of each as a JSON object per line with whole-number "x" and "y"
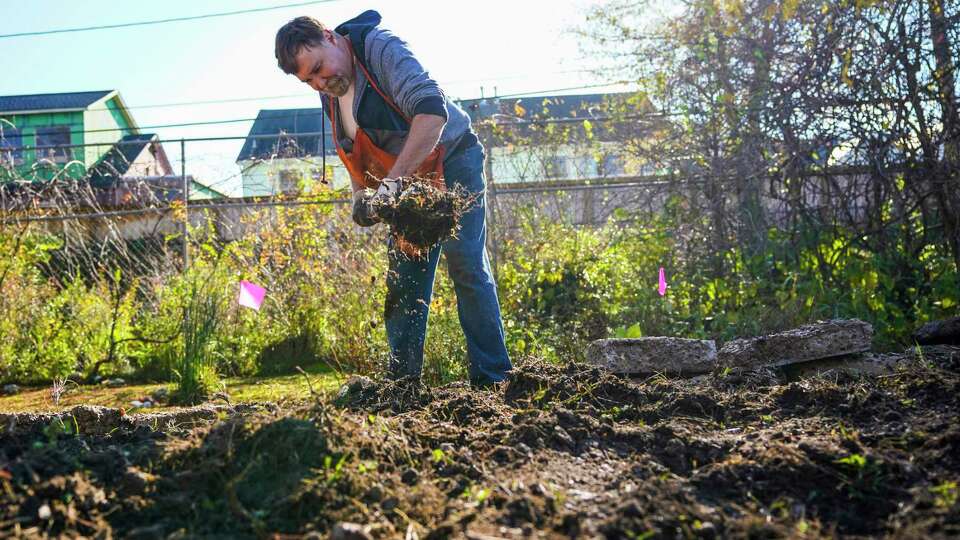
{"x": 327, "y": 67}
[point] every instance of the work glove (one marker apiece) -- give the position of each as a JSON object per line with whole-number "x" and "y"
{"x": 363, "y": 211}
{"x": 367, "y": 203}
{"x": 386, "y": 193}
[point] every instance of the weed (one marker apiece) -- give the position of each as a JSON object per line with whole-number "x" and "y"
{"x": 58, "y": 388}
{"x": 854, "y": 461}
{"x": 476, "y": 494}
{"x": 846, "y": 434}
{"x": 196, "y": 371}
{"x": 333, "y": 470}
{"x": 366, "y": 466}
{"x": 613, "y": 413}
{"x": 946, "y": 494}
{"x": 57, "y": 428}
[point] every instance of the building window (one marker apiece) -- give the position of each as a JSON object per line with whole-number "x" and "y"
{"x": 555, "y": 167}
{"x": 290, "y": 180}
{"x": 53, "y": 143}
{"x": 11, "y": 145}
{"x": 610, "y": 165}
{"x": 584, "y": 166}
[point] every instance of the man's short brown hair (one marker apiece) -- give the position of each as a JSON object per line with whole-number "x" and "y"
{"x": 293, "y": 36}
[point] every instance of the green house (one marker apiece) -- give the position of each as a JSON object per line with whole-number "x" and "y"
{"x": 43, "y": 136}
{"x": 88, "y": 135}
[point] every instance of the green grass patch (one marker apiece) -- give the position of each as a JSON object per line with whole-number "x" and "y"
{"x": 275, "y": 388}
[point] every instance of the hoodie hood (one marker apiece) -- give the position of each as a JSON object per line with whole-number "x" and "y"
{"x": 357, "y": 28}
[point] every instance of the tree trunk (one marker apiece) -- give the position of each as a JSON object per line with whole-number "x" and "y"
{"x": 948, "y": 173}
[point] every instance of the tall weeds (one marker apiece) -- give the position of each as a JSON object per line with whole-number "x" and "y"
{"x": 196, "y": 370}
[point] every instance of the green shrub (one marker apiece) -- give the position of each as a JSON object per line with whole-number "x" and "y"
{"x": 560, "y": 286}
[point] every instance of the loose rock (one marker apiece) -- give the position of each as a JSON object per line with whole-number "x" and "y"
{"x": 943, "y": 332}
{"x": 410, "y": 477}
{"x": 349, "y": 531}
{"x": 354, "y": 387}
{"x": 160, "y": 394}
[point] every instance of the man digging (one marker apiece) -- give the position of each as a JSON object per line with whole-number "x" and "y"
{"x": 391, "y": 121}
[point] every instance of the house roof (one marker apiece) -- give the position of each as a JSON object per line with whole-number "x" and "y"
{"x": 542, "y": 107}
{"x": 529, "y": 114}
{"x": 196, "y": 184}
{"x": 117, "y": 161}
{"x": 288, "y": 123}
{"x": 58, "y": 102}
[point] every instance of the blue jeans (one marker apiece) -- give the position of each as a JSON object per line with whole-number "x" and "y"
{"x": 410, "y": 287}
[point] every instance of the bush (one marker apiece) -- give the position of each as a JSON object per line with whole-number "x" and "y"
{"x": 562, "y": 286}
{"x": 196, "y": 368}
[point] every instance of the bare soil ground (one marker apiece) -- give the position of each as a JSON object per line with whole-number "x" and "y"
{"x": 555, "y": 452}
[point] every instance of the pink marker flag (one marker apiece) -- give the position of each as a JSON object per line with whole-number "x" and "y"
{"x": 662, "y": 286}
{"x": 251, "y": 295}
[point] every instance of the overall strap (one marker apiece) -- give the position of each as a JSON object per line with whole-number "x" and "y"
{"x": 333, "y": 121}
{"x": 373, "y": 83}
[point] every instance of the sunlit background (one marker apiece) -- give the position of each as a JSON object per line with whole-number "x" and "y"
{"x": 219, "y": 71}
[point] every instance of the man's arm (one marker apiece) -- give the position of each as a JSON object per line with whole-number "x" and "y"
{"x": 425, "y": 130}
{"x": 402, "y": 77}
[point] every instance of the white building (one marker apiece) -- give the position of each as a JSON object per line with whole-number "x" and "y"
{"x": 285, "y": 154}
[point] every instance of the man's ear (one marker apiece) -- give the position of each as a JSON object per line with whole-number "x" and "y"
{"x": 329, "y": 37}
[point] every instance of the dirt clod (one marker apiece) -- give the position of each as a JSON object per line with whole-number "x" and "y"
{"x": 349, "y": 531}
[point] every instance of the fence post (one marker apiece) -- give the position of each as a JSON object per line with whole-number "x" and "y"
{"x": 186, "y": 199}
{"x": 487, "y": 141}
{"x": 588, "y": 217}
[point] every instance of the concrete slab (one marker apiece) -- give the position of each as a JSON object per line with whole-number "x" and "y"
{"x": 855, "y": 364}
{"x": 806, "y": 343}
{"x": 649, "y": 355}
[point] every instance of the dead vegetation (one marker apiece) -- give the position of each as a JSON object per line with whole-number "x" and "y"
{"x": 424, "y": 215}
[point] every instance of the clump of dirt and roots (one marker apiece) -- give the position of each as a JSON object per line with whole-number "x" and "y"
{"x": 554, "y": 452}
{"x": 424, "y": 215}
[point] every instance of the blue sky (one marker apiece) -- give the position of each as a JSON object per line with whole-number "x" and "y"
{"x": 515, "y": 46}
